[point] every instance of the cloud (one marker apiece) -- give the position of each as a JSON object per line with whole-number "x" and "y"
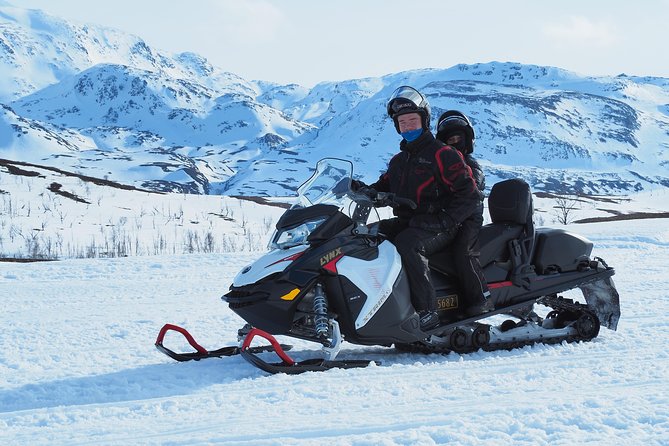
{"x": 579, "y": 31}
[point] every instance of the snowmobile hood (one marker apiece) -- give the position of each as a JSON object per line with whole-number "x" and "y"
{"x": 273, "y": 262}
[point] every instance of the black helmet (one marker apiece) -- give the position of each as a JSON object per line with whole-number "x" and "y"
{"x": 453, "y": 121}
{"x": 408, "y": 100}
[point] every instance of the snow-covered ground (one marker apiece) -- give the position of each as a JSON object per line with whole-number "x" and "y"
{"x": 47, "y": 214}
{"x": 78, "y": 365}
{"x": 58, "y": 214}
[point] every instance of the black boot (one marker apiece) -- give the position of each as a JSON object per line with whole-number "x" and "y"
{"x": 486, "y": 306}
{"x": 526, "y": 313}
{"x": 429, "y": 319}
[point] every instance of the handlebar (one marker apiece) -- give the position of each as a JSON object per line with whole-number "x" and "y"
{"x": 390, "y": 199}
{"x": 368, "y": 198}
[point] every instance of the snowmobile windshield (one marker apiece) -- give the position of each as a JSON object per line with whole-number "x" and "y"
{"x": 330, "y": 183}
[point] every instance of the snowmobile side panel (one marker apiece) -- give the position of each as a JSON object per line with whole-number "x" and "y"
{"x": 375, "y": 278}
{"x": 395, "y": 321}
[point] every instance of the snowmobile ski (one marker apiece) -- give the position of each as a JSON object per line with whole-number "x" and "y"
{"x": 287, "y": 364}
{"x": 201, "y": 352}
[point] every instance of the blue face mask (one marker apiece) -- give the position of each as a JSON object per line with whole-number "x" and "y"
{"x": 411, "y": 135}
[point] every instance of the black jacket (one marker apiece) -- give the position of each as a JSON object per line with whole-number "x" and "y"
{"x": 436, "y": 177}
{"x": 477, "y": 172}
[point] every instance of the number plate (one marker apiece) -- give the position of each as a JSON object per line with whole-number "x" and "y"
{"x": 447, "y": 302}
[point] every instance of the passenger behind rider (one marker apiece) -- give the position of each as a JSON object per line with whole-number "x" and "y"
{"x": 455, "y": 129}
{"x": 436, "y": 177}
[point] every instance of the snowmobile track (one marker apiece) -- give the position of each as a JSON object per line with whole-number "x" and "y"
{"x": 584, "y": 319}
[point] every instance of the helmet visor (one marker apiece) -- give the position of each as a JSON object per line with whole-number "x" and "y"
{"x": 451, "y": 123}
{"x": 403, "y": 98}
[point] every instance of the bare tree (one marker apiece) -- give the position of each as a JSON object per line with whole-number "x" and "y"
{"x": 209, "y": 242}
{"x": 564, "y": 209}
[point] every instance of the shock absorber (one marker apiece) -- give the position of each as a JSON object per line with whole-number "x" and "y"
{"x": 320, "y": 311}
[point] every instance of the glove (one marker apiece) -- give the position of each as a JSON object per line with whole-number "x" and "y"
{"x": 362, "y": 188}
{"x": 356, "y": 185}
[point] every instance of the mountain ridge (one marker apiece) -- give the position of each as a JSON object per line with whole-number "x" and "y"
{"x": 112, "y": 106}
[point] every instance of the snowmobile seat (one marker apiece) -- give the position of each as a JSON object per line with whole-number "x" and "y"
{"x": 507, "y": 243}
{"x": 495, "y": 256}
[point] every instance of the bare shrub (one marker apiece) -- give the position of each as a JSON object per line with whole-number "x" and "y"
{"x": 564, "y": 209}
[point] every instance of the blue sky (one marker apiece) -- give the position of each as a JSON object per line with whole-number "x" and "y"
{"x": 306, "y": 41}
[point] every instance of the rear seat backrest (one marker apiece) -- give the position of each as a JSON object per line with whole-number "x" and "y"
{"x": 510, "y": 206}
{"x": 510, "y": 201}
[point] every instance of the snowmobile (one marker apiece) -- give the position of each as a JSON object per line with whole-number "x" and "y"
{"x": 330, "y": 276}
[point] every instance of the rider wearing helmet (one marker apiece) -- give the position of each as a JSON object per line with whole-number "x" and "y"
{"x": 436, "y": 178}
{"x": 455, "y": 129}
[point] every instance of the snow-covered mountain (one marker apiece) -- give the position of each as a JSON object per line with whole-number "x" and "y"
{"x": 37, "y": 50}
{"x": 160, "y": 125}
{"x": 104, "y": 103}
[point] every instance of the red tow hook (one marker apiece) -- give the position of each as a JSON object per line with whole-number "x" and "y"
{"x": 275, "y": 344}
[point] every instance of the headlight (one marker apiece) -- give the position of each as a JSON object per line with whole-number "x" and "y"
{"x": 287, "y": 238}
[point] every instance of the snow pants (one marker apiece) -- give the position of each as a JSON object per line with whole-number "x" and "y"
{"x": 416, "y": 244}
